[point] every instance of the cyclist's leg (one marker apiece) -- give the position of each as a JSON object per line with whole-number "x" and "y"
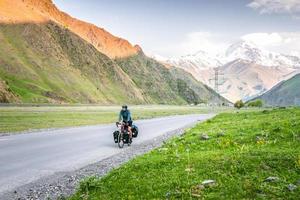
{"x": 130, "y": 132}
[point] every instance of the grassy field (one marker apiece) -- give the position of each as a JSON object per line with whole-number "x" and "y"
{"x": 13, "y": 119}
{"x": 243, "y": 150}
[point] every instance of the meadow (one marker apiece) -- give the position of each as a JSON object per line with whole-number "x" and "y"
{"x": 25, "y": 118}
{"x": 236, "y": 155}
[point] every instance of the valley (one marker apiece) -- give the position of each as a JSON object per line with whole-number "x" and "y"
{"x": 245, "y": 70}
{"x": 22, "y": 119}
{"x": 49, "y": 57}
{"x": 209, "y": 94}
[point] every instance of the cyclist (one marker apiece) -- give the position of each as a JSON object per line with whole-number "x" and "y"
{"x": 125, "y": 117}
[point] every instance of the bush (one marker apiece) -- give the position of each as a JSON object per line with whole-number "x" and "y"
{"x": 239, "y": 104}
{"x": 256, "y": 103}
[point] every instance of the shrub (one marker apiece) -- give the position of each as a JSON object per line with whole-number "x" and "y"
{"x": 256, "y": 103}
{"x": 239, "y": 104}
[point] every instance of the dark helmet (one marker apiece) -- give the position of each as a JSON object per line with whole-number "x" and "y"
{"x": 125, "y": 107}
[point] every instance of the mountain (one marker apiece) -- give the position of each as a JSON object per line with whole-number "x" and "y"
{"x": 195, "y": 63}
{"x": 46, "y": 56}
{"x": 43, "y": 11}
{"x": 244, "y": 70}
{"x": 246, "y": 50}
{"x": 48, "y": 63}
{"x": 285, "y": 93}
{"x": 243, "y": 79}
{"x": 165, "y": 85}
{"x": 199, "y": 60}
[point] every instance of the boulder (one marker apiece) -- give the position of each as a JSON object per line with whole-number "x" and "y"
{"x": 204, "y": 137}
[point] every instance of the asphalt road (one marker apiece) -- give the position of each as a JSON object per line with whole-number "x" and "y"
{"x": 25, "y": 158}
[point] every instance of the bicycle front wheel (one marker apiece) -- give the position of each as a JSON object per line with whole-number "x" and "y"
{"x": 120, "y": 140}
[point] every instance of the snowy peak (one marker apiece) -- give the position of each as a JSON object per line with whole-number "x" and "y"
{"x": 200, "y": 59}
{"x": 243, "y": 50}
{"x": 249, "y": 51}
{"x": 246, "y": 69}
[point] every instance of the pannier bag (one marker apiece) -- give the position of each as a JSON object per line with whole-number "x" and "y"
{"x": 116, "y": 135}
{"x": 135, "y": 131}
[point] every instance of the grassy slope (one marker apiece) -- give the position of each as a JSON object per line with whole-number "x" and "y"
{"x": 164, "y": 86}
{"x": 286, "y": 93}
{"x": 26, "y": 118}
{"x": 256, "y": 145}
{"x": 47, "y": 63}
{"x": 205, "y": 94}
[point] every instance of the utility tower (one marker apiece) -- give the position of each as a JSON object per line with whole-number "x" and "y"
{"x": 217, "y": 77}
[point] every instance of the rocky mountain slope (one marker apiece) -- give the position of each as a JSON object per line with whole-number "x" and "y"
{"x": 245, "y": 69}
{"x": 46, "y": 56}
{"x": 286, "y": 93}
{"x": 43, "y": 11}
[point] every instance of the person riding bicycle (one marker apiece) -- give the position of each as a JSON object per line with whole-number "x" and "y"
{"x": 125, "y": 117}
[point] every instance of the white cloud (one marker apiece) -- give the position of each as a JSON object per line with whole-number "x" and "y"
{"x": 193, "y": 42}
{"x": 284, "y": 42}
{"x": 276, "y": 6}
{"x": 280, "y": 42}
{"x": 264, "y": 39}
{"x": 206, "y": 41}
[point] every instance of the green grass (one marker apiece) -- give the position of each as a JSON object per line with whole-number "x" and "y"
{"x": 256, "y": 145}
{"x": 13, "y": 119}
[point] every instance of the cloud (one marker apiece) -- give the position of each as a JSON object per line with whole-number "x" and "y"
{"x": 193, "y": 42}
{"x": 276, "y": 6}
{"x": 213, "y": 43}
{"x": 206, "y": 41}
{"x": 283, "y": 42}
{"x": 264, "y": 39}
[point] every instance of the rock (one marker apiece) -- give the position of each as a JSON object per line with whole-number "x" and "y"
{"x": 204, "y": 137}
{"x": 221, "y": 134}
{"x": 196, "y": 190}
{"x": 271, "y": 179}
{"x": 196, "y": 195}
{"x": 168, "y": 194}
{"x": 188, "y": 169}
{"x": 209, "y": 183}
{"x": 292, "y": 187}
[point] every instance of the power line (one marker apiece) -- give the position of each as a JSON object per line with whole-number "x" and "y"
{"x": 217, "y": 77}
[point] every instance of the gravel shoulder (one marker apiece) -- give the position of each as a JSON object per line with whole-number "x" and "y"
{"x": 64, "y": 184}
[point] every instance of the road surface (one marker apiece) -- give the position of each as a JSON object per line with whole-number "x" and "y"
{"x": 25, "y": 158}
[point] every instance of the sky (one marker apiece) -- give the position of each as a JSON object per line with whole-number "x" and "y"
{"x": 171, "y": 28}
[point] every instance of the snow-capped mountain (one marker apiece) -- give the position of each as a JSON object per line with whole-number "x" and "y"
{"x": 248, "y": 51}
{"x": 196, "y": 63}
{"x": 246, "y": 69}
{"x": 201, "y": 59}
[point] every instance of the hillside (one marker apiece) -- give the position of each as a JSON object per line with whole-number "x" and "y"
{"x": 43, "y": 11}
{"x": 47, "y": 63}
{"x": 205, "y": 94}
{"x": 163, "y": 85}
{"x": 45, "y": 57}
{"x": 286, "y": 93}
